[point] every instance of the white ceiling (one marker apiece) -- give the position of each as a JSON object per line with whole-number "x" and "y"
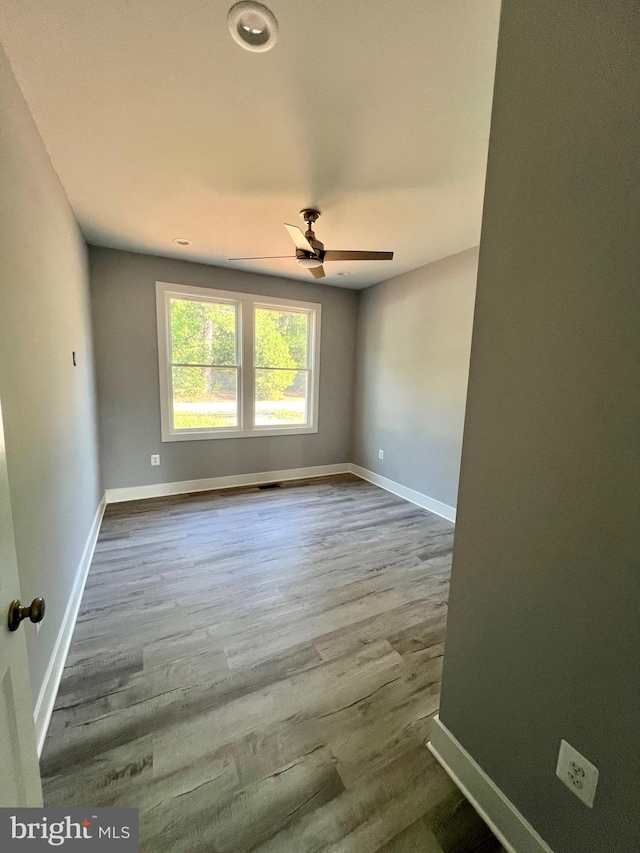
{"x": 161, "y": 126}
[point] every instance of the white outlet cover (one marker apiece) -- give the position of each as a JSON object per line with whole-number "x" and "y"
{"x": 381, "y": 454}
{"x": 578, "y": 773}
{"x": 155, "y": 459}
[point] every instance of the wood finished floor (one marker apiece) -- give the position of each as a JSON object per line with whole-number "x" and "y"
{"x": 258, "y": 671}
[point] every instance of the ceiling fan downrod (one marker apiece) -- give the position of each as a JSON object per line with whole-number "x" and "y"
{"x": 310, "y": 216}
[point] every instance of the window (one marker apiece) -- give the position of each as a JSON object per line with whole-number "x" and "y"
{"x": 235, "y": 365}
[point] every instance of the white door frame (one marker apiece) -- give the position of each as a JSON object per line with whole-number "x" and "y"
{"x": 19, "y": 771}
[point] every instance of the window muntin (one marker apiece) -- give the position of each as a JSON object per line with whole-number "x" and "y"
{"x": 236, "y": 365}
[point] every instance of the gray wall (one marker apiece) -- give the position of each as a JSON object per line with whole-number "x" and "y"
{"x": 48, "y": 405}
{"x": 124, "y": 310}
{"x": 543, "y": 640}
{"x": 414, "y": 339}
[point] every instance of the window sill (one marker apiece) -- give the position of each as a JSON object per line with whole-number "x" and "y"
{"x": 207, "y": 435}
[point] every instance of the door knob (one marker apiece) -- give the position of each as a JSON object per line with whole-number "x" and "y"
{"x": 17, "y": 612}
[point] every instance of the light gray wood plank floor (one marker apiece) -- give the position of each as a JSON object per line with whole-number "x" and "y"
{"x": 257, "y": 670}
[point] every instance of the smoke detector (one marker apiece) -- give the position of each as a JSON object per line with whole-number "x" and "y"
{"x": 253, "y": 26}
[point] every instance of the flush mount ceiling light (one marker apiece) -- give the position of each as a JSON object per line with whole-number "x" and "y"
{"x": 181, "y": 241}
{"x": 308, "y": 261}
{"x": 253, "y": 26}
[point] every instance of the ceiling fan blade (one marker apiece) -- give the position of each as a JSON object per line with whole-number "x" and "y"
{"x": 262, "y": 258}
{"x": 299, "y": 239}
{"x": 337, "y": 255}
{"x": 317, "y": 272}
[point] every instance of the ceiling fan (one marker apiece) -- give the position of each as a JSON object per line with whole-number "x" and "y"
{"x": 311, "y": 253}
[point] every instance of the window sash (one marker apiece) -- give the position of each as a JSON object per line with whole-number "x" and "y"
{"x": 307, "y": 368}
{"x": 196, "y": 430}
{"x": 307, "y": 400}
{"x": 237, "y": 306}
{"x": 246, "y": 304}
{"x": 308, "y": 313}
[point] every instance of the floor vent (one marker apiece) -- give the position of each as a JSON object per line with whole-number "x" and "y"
{"x": 270, "y": 486}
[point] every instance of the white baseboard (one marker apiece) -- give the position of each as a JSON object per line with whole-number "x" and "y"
{"x": 424, "y": 501}
{"x": 49, "y": 690}
{"x": 505, "y": 821}
{"x": 158, "y": 490}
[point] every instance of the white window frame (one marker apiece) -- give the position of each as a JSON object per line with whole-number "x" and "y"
{"x": 245, "y": 303}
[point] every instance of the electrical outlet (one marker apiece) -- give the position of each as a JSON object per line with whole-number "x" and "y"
{"x": 155, "y": 459}
{"x": 578, "y": 774}
{"x": 381, "y": 454}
